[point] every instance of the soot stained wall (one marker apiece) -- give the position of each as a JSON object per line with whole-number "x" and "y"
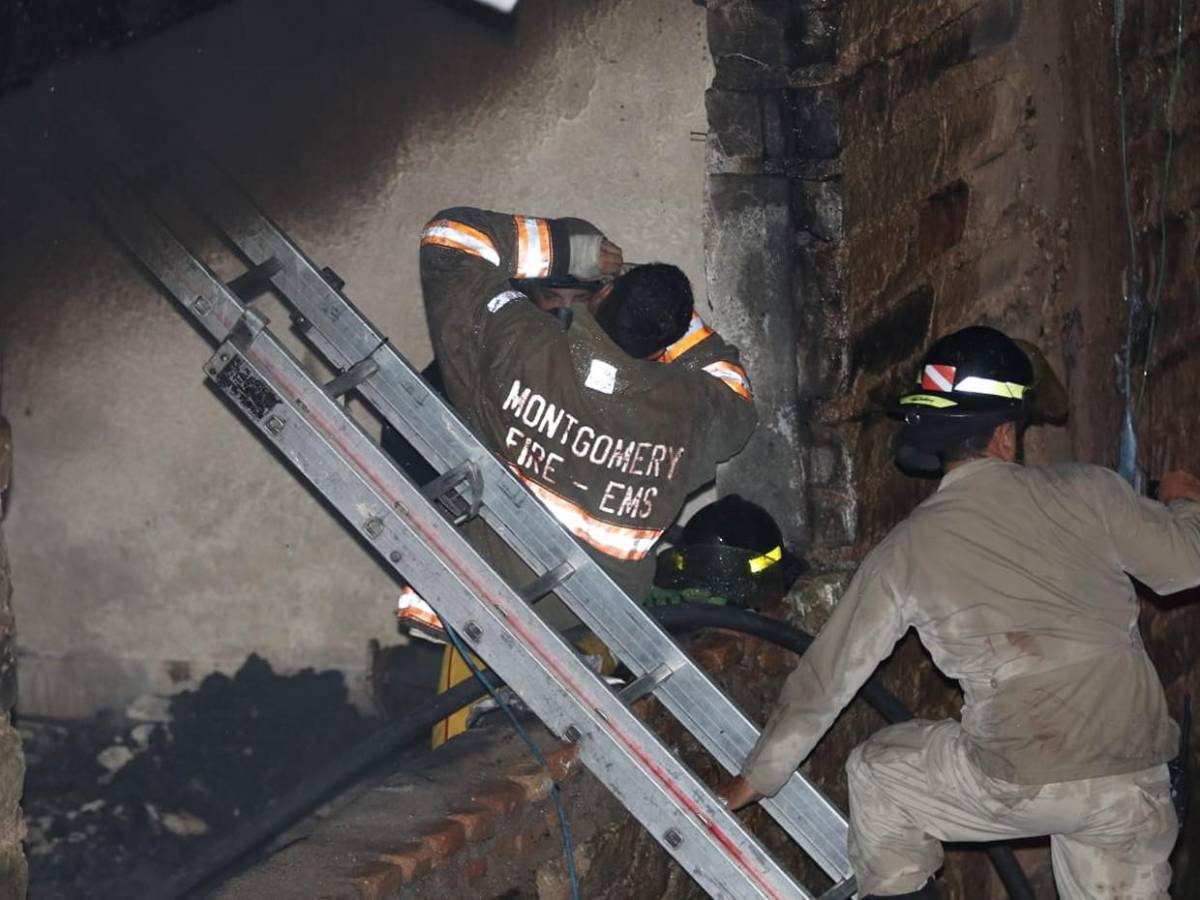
{"x": 153, "y": 538}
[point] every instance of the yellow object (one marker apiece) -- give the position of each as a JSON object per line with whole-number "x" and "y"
{"x": 927, "y": 400}
{"x": 454, "y": 671}
{"x": 768, "y": 559}
{"x": 590, "y": 645}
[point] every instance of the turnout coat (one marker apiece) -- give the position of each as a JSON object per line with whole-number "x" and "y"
{"x": 611, "y": 445}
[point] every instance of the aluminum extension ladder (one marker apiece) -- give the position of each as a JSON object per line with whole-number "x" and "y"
{"x": 411, "y": 530}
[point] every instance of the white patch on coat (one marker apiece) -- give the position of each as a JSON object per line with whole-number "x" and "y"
{"x": 602, "y": 377}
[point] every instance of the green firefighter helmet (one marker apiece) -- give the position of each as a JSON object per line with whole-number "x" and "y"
{"x": 730, "y": 552}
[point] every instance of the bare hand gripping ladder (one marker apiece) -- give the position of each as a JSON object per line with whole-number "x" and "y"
{"x": 408, "y": 528}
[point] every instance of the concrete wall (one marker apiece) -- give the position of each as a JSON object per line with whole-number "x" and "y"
{"x": 153, "y": 538}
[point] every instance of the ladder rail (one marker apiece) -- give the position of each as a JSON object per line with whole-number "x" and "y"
{"x": 397, "y": 392}
{"x": 329, "y": 448}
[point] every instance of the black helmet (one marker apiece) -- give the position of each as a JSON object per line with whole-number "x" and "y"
{"x": 970, "y": 381}
{"x": 732, "y": 551}
{"x": 977, "y": 369}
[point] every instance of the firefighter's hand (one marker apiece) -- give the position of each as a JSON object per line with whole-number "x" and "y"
{"x": 1179, "y": 485}
{"x": 738, "y": 793}
{"x": 611, "y": 260}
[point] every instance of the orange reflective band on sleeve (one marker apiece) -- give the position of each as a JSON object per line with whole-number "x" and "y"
{"x": 534, "y": 250}
{"x": 457, "y": 236}
{"x": 411, "y": 608}
{"x": 619, "y": 541}
{"x": 696, "y": 332}
{"x": 733, "y": 375}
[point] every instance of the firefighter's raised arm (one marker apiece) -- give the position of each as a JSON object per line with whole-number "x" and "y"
{"x": 468, "y": 256}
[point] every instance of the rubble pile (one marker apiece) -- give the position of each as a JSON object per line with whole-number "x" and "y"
{"x": 122, "y": 799}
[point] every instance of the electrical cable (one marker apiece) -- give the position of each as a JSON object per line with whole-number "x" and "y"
{"x": 216, "y": 860}
{"x": 535, "y": 751}
{"x": 1161, "y": 274}
{"x": 1138, "y": 306}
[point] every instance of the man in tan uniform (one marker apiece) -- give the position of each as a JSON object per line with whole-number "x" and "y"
{"x": 1016, "y": 579}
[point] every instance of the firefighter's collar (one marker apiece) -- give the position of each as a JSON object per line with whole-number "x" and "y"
{"x": 958, "y": 473}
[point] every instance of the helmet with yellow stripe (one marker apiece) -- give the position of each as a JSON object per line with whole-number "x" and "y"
{"x": 731, "y": 551}
{"x": 977, "y": 369}
{"x": 970, "y": 382}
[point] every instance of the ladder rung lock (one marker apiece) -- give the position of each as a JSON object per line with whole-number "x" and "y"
{"x": 201, "y": 306}
{"x": 450, "y": 480}
{"x": 373, "y": 526}
{"x": 275, "y": 424}
{"x": 473, "y": 632}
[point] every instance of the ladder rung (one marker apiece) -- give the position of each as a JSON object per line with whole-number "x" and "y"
{"x": 547, "y": 582}
{"x": 255, "y": 281}
{"x": 646, "y": 684}
{"x": 351, "y": 378}
{"x": 840, "y": 891}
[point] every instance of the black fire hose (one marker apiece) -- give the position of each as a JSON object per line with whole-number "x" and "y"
{"x": 350, "y": 766}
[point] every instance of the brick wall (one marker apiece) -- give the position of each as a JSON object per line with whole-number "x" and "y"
{"x": 934, "y": 165}
{"x": 1168, "y": 427}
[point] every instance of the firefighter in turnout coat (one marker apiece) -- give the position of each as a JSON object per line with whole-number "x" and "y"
{"x": 611, "y": 421}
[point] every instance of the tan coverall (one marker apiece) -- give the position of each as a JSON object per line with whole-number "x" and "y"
{"x": 1015, "y": 579}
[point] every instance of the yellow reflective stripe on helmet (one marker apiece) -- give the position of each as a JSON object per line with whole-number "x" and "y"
{"x": 768, "y": 559}
{"x": 927, "y": 400}
{"x": 1007, "y": 389}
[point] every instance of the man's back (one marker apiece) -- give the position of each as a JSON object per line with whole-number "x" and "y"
{"x": 612, "y": 445}
{"x": 1015, "y": 578}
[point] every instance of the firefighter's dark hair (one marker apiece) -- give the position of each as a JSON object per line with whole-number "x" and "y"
{"x": 648, "y": 309}
{"x": 970, "y": 446}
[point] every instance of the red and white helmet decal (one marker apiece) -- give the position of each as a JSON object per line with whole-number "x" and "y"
{"x": 938, "y": 378}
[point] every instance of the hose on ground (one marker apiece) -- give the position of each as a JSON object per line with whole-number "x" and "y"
{"x": 350, "y": 766}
